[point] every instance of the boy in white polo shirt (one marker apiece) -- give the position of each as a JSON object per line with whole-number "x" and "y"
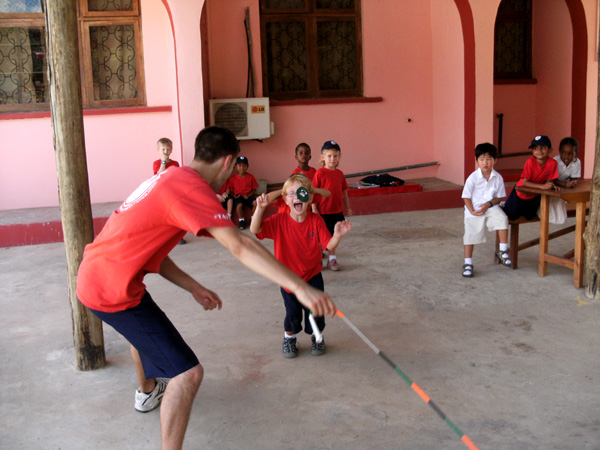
{"x": 483, "y": 191}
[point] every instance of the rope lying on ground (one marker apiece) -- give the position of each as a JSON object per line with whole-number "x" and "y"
{"x": 463, "y": 437}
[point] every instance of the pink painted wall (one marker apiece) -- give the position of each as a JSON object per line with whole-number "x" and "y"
{"x": 591, "y": 15}
{"x": 518, "y": 104}
{"x": 417, "y": 70}
{"x": 552, "y": 66}
{"x": 373, "y": 135}
{"x": 120, "y": 148}
{"x": 448, "y": 89}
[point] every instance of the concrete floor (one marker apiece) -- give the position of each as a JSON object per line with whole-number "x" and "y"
{"x": 511, "y": 358}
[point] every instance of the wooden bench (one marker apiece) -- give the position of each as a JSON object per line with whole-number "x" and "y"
{"x": 513, "y": 237}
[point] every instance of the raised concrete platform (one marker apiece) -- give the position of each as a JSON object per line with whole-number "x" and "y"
{"x": 43, "y": 225}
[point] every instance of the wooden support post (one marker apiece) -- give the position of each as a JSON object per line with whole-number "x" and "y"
{"x": 73, "y": 186}
{"x": 592, "y": 231}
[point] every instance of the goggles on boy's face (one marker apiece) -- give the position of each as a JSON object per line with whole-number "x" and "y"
{"x": 301, "y": 193}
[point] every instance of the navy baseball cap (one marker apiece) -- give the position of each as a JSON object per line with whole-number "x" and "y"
{"x": 242, "y": 159}
{"x": 542, "y": 140}
{"x": 331, "y": 145}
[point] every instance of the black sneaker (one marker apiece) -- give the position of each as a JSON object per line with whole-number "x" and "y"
{"x": 242, "y": 224}
{"x": 289, "y": 348}
{"x": 317, "y": 348}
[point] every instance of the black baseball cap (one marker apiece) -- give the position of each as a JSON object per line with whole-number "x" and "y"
{"x": 542, "y": 140}
{"x": 242, "y": 159}
{"x": 328, "y": 145}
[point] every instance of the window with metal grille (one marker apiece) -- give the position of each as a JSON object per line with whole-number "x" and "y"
{"x": 311, "y": 49}
{"x": 513, "y": 38}
{"x": 110, "y": 47}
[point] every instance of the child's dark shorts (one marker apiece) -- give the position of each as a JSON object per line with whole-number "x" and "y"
{"x": 244, "y": 201}
{"x": 332, "y": 219}
{"x": 516, "y": 207}
{"x": 162, "y": 350}
{"x": 294, "y": 309}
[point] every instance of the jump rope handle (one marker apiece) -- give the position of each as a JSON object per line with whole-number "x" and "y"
{"x": 316, "y": 331}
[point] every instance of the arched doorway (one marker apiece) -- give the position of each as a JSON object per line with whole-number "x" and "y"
{"x": 552, "y": 100}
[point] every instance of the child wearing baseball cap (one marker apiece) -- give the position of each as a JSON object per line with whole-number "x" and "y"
{"x": 242, "y": 186}
{"x": 541, "y": 172}
{"x": 331, "y": 178}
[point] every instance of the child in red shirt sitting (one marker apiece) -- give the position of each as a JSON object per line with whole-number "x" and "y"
{"x": 540, "y": 171}
{"x": 165, "y": 148}
{"x": 332, "y": 179}
{"x": 223, "y": 196}
{"x": 242, "y": 186}
{"x": 299, "y": 237}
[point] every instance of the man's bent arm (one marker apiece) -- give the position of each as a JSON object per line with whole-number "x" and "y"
{"x": 257, "y": 258}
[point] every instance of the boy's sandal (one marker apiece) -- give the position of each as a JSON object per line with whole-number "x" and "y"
{"x": 504, "y": 258}
{"x": 467, "y": 270}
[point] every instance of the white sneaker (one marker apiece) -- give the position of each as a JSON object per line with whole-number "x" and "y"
{"x": 147, "y": 402}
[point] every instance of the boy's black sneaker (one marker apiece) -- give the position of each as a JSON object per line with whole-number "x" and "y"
{"x": 242, "y": 224}
{"x": 317, "y": 348}
{"x": 289, "y": 348}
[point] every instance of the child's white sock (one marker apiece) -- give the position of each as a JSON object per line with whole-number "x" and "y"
{"x": 240, "y": 220}
{"x": 287, "y": 336}
{"x": 503, "y": 247}
{"x": 331, "y": 257}
{"x": 469, "y": 261}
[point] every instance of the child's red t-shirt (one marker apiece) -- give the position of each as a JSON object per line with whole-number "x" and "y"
{"x": 310, "y": 173}
{"x": 242, "y": 185}
{"x": 281, "y": 205}
{"x": 157, "y": 164}
{"x": 335, "y": 182}
{"x": 537, "y": 174}
{"x": 297, "y": 245}
{"x": 224, "y": 187}
{"x": 141, "y": 233}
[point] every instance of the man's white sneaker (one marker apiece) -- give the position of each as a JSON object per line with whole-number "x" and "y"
{"x": 147, "y": 402}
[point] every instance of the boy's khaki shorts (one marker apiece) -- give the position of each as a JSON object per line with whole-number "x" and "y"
{"x": 475, "y": 226}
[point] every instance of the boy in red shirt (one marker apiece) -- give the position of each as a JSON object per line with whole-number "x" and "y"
{"x": 299, "y": 237}
{"x": 541, "y": 172}
{"x": 242, "y": 186}
{"x": 303, "y": 155}
{"x": 332, "y": 179}
{"x": 165, "y": 148}
{"x": 223, "y": 196}
{"x": 137, "y": 240}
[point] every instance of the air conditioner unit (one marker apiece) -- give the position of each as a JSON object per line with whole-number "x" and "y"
{"x": 247, "y": 118}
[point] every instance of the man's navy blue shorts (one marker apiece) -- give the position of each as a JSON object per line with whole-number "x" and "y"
{"x": 162, "y": 350}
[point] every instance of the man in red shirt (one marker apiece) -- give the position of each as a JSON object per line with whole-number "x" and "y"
{"x": 299, "y": 236}
{"x": 137, "y": 239}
